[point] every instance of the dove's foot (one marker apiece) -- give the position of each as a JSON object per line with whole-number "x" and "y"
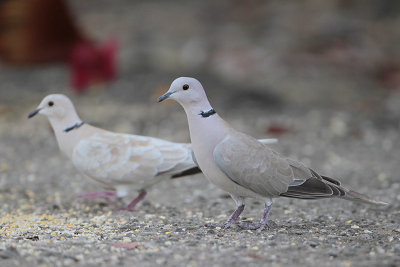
{"x": 263, "y": 222}
{"x": 232, "y": 219}
{"x": 131, "y": 206}
{"x": 259, "y": 226}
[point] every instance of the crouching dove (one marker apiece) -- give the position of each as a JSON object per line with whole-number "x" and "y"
{"x": 244, "y": 167}
{"x": 119, "y": 162}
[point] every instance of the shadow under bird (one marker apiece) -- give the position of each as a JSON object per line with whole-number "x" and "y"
{"x": 243, "y": 166}
{"x": 118, "y": 162}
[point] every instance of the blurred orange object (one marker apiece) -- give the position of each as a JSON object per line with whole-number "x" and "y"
{"x": 44, "y": 31}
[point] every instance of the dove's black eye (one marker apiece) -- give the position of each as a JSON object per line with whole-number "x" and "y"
{"x": 185, "y": 87}
{"x": 51, "y": 103}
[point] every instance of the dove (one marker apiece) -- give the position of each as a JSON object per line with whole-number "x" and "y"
{"x": 118, "y": 162}
{"x": 244, "y": 167}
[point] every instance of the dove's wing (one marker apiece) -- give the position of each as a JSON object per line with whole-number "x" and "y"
{"x": 264, "y": 141}
{"x": 127, "y": 159}
{"x": 253, "y": 165}
{"x": 310, "y": 185}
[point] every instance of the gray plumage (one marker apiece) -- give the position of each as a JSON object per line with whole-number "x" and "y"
{"x": 243, "y": 166}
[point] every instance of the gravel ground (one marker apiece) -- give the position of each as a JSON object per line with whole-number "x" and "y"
{"x": 334, "y": 117}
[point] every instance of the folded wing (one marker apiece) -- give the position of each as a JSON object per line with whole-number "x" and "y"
{"x": 310, "y": 185}
{"x": 127, "y": 159}
{"x": 253, "y": 165}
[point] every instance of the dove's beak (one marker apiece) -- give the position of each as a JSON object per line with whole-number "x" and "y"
{"x": 33, "y": 113}
{"x": 165, "y": 96}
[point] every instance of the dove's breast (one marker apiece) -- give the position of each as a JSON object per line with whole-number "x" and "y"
{"x": 205, "y": 136}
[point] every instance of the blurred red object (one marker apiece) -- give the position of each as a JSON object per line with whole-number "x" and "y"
{"x": 92, "y": 64}
{"x": 277, "y": 130}
{"x": 44, "y": 31}
{"x": 389, "y": 75}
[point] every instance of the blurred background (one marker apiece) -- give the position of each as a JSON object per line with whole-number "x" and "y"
{"x": 335, "y": 54}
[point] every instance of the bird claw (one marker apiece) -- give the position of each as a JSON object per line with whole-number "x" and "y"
{"x": 131, "y": 206}
{"x": 232, "y": 219}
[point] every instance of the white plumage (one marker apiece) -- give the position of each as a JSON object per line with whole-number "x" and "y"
{"x": 119, "y": 162}
{"x": 130, "y": 160}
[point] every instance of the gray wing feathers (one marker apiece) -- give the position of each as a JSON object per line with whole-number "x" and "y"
{"x": 253, "y": 165}
{"x": 308, "y": 184}
{"x": 300, "y": 172}
{"x": 313, "y": 185}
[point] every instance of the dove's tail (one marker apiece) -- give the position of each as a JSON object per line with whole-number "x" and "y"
{"x": 325, "y": 187}
{"x": 187, "y": 172}
{"x": 358, "y": 197}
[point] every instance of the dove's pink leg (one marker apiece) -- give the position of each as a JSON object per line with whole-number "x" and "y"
{"x": 263, "y": 221}
{"x": 232, "y": 220}
{"x": 131, "y": 206}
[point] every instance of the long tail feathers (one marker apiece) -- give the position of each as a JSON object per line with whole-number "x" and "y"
{"x": 358, "y": 197}
{"x": 326, "y": 187}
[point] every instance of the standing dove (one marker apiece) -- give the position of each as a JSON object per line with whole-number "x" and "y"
{"x": 119, "y": 162}
{"x": 243, "y": 166}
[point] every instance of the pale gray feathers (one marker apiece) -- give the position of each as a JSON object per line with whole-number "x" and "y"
{"x": 128, "y": 159}
{"x": 258, "y": 168}
{"x": 253, "y": 165}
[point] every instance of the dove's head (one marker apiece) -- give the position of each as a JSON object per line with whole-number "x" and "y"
{"x": 186, "y": 91}
{"x": 54, "y": 107}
